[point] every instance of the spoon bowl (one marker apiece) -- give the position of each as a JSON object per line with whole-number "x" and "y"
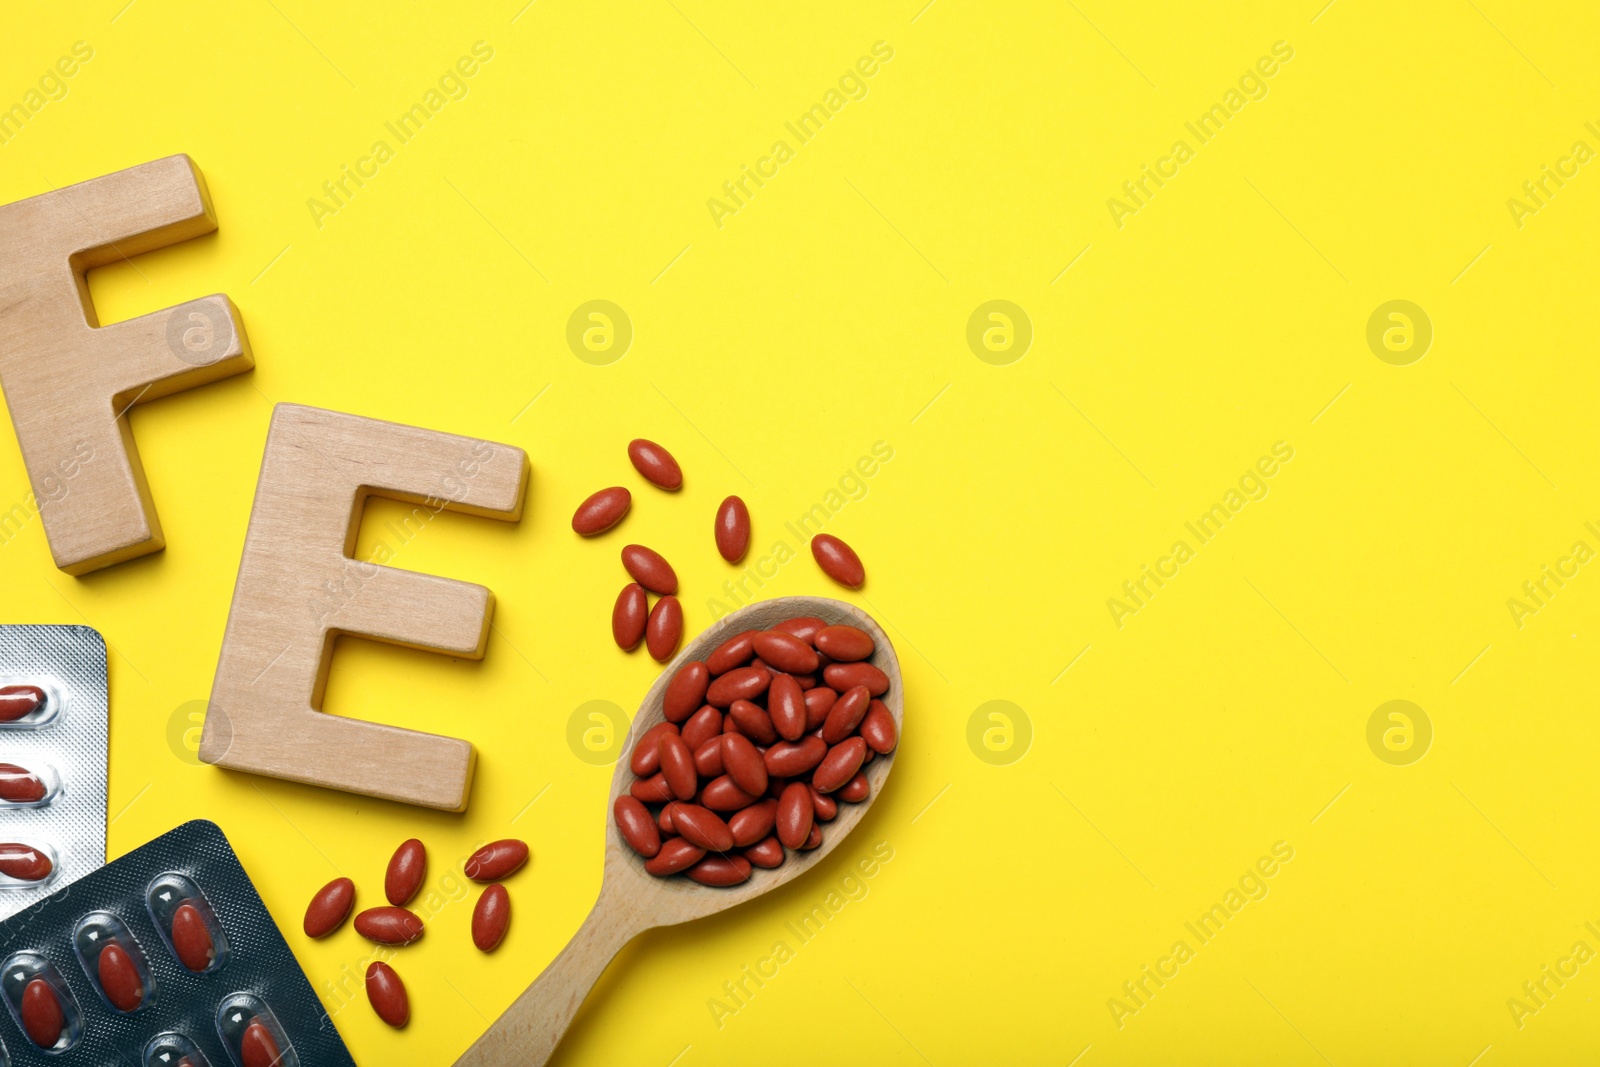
{"x": 631, "y": 899}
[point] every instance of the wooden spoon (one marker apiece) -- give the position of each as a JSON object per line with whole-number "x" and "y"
{"x": 632, "y": 901}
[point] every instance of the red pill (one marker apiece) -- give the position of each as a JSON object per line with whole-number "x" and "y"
{"x": 649, "y": 569}
{"x": 407, "y": 868}
{"x": 844, "y": 644}
{"x": 741, "y": 683}
{"x": 676, "y": 854}
{"x": 686, "y": 692}
{"x": 646, "y": 758}
{"x": 664, "y": 820}
{"x": 846, "y": 714}
{"x": 789, "y": 759}
{"x": 629, "y": 616}
{"x": 823, "y": 807}
{"x": 753, "y": 721}
{"x": 842, "y": 676}
{"x": 768, "y": 853}
{"x": 677, "y": 766}
{"x": 664, "y": 629}
{"x": 702, "y": 827}
{"x": 330, "y": 907}
{"x": 258, "y": 1048}
{"x": 804, "y": 627}
{"x": 785, "y": 652}
{"x": 839, "y": 765}
{"x": 191, "y": 938}
{"x": 490, "y": 917}
{"x": 721, "y": 794}
{"x": 636, "y": 827}
{"x": 18, "y": 785}
{"x": 733, "y": 529}
{"x": 708, "y": 758}
{"x": 655, "y": 463}
{"x": 24, "y": 862}
{"x": 753, "y": 823}
{"x": 878, "y": 729}
{"x": 651, "y": 790}
{"x": 721, "y": 870}
{"x": 819, "y": 702}
{"x": 388, "y": 926}
{"x": 855, "y": 790}
{"x": 42, "y": 1017}
{"x": 813, "y": 839}
{"x": 601, "y": 511}
{"x": 497, "y": 860}
{"x": 744, "y": 764}
{"x": 838, "y": 560}
{"x": 702, "y": 726}
{"x": 119, "y": 977}
{"x": 786, "y": 706}
{"x": 794, "y": 814}
{"x": 387, "y": 994}
{"x": 19, "y": 700}
{"x": 735, "y": 651}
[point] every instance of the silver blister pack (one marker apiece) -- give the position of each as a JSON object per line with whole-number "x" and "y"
{"x": 52, "y": 760}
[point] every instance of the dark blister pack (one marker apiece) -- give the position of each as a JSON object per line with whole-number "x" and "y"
{"x": 164, "y": 955}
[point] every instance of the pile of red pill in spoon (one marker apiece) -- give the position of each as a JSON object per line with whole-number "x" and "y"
{"x": 761, "y": 742}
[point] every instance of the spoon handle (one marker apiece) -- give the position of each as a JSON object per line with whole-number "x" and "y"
{"x": 527, "y": 1033}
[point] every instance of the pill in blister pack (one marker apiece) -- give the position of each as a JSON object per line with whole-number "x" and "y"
{"x": 53, "y": 699}
{"x": 165, "y": 958}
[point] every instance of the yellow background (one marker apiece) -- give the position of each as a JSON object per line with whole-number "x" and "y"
{"x": 1228, "y": 314}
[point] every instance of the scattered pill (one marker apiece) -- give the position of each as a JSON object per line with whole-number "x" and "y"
{"x": 733, "y": 529}
{"x": 387, "y": 994}
{"x": 497, "y": 860}
{"x": 629, "y": 616}
{"x": 650, "y": 569}
{"x": 407, "y": 869}
{"x": 838, "y": 560}
{"x": 602, "y": 511}
{"x": 389, "y": 926}
{"x": 490, "y": 918}
{"x": 655, "y": 463}
{"x": 330, "y": 907}
{"x": 664, "y": 629}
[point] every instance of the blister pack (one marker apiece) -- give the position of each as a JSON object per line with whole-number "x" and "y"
{"x": 165, "y": 957}
{"x": 53, "y": 698}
